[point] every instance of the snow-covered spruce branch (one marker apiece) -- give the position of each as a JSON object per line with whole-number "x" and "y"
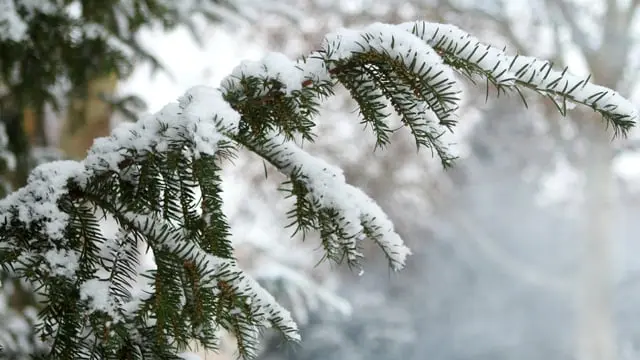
{"x": 510, "y": 72}
{"x": 157, "y": 181}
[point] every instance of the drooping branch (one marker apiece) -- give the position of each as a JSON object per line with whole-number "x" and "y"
{"x": 144, "y": 176}
{"x": 506, "y": 72}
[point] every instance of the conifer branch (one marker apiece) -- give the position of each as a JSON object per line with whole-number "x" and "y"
{"x": 470, "y": 57}
{"x": 158, "y": 183}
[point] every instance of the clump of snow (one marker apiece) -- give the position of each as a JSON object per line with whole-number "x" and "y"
{"x": 314, "y": 68}
{"x": 37, "y": 201}
{"x": 265, "y": 308}
{"x": 464, "y": 46}
{"x": 327, "y": 186}
{"x": 539, "y": 73}
{"x": 522, "y": 70}
{"x": 399, "y": 44}
{"x": 386, "y": 38}
{"x": 62, "y": 262}
{"x": 97, "y": 292}
{"x": 191, "y": 118}
{"x": 272, "y": 66}
{"x": 208, "y": 105}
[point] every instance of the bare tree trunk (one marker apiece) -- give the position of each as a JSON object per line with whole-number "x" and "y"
{"x": 596, "y": 328}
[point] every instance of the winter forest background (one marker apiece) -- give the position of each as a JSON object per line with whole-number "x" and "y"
{"x": 526, "y": 249}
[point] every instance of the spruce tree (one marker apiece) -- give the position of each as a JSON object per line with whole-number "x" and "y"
{"x": 73, "y": 232}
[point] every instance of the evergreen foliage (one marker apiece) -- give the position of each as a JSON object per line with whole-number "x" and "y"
{"x": 156, "y": 182}
{"x": 50, "y": 53}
